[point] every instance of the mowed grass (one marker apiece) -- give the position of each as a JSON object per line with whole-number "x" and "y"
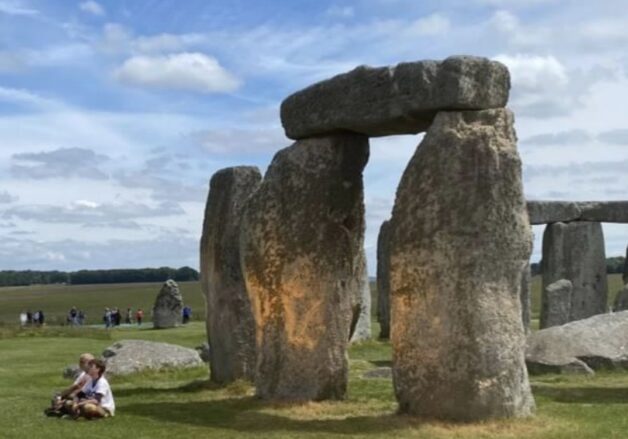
{"x": 56, "y": 300}
{"x": 183, "y": 403}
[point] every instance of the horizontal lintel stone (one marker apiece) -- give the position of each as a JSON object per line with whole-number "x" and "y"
{"x": 546, "y": 212}
{"x": 402, "y": 99}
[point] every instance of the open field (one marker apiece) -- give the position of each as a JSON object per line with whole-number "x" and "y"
{"x": 56, "y": 300}
{"x": 184, "y": 404}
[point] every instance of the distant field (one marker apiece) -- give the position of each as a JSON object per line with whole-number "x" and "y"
{"x": 56, "y": 300}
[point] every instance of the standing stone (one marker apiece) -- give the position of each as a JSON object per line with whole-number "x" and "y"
{"x": 556, "y": 304}
{"x": 168, "y": 305}
{"x": 362, "y": 330}
{"x": 621, "y": 300}
{"x": 230, "y": 323}
{"x": 459, "y": 242}
{"x": 526, "y": 282}
{"x": 625, "y": 276}
{"x": 302, "y": 239}
{"x": 575, "y": 251}
{"x": 383, "y": 280}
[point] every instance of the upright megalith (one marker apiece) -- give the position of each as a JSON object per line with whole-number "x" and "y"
{"x": 383, "y": 280}
{"x": 302, "y": 239}
{"x": 168, "y": 306}
{"x": 230, "y": 323}
{"x": 575, "y": 251}
{"x": 625, "y": 276}
{"x": 526, "y": 300}
{"x": 402, "y": 99}
{"x": 556, "y": 304}
{"x": 362, "y": 329}
{"x": 460, "y": 239}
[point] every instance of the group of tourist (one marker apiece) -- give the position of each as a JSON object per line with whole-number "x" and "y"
{"x": 88, "y": 397}
{"x": 75, "y": 317}
{"x": 28, "y": 318}
{"x": 113, "y": 317}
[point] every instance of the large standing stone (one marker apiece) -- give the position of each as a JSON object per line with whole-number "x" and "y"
{"x": 460, "y": 240}
{"x": 403, "y": 99}
{"x": 362, "y": 330}
{"x": 625, "y": 276}
{"x": 621, "y": 300}
{"x": 383, "y": 280}
{"x": 556, "y": 304}
{"x": 230, "y": 323}
{"x": 168, "y": 305}
{"x": 575, "y": 251}
{"x": 302, "y": 242}
{"x": 526, "y": 281}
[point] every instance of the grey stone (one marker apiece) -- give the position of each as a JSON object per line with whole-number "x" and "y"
{"x": 556, "y": 304}
{"x": 526, "y": 281}
{"x": 302, "y": 238}
{"x": 362, "y": 330}
{"x": 204, "y": 351}
{"x": 625, "y": 276}
{"x": 383, "y": 280}
{"x": 230, "y": 323}
{"x": 72, "y": 371}
{"x": 460, "y": 240}
{"x": 621, "y": 299}
{"x": 601, "y": 342}
{"x": 168, "y": 306}
{"x": 575, "y": 251}
{"x": 403, "y": 99}
{"x": 380, "y": 373}
{"x": 547, "y": 212}
{"x": 130, "y": 356}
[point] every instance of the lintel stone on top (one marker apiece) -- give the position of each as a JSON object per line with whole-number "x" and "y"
{"x": 402, "y": 99}
{"x": 545, "y": 212}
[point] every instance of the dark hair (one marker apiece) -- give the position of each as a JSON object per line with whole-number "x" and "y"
{"x": 100, "y": 365}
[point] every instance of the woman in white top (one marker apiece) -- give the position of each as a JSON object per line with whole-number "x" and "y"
{"x": 98, "y": 402}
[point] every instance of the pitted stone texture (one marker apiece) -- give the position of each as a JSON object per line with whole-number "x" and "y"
{"x": 621, "y": 300}
{"x": 301, "y": 243}
{"x": 168, "y": 306}
{"x": 526, "y": 284}
{"x": 556, "y": 304}
{"x": 547, "y": 212}
{"x": 362, "y": 330}
{"x": 230, "y": 323}
{"x": 601, "y": 342}
{"x": 575, "y": 251}
{"x": 460, "y": 240}
{"x": 129, "y": 356}
{"x": 403, "y": 99}
{"x": 383, "y": 280}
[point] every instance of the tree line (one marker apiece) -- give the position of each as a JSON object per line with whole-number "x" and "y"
{"x": 613, "y": 265}
{"x": 82, "y": 277}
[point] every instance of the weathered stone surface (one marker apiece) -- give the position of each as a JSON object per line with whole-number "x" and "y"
{"x": 547, "y": 212}
{"x": 403, "y": 99}
{"x": 204, "y": 350}
{"x": 575, "y": 251}
{"x": 129, "y": 356}
{"x": 230, "y": 323}
{"x": 621, "y": 300}
{"x": 526, "y": 280}
{"x": 456, "y": 263}
{"x": 362, "y": 330}
{"x": 383, "y": 280}
{"x": 601, "y": 342}
{"x": 301, "y": 243}
{"x": 556, "y": 303}
{"x": 168, "y": 306}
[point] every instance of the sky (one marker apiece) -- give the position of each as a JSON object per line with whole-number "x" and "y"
{"x": 115, "y": 114}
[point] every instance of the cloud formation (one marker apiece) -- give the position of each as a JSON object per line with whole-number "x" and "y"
{"x": 59, "y": 163}
{"x": 91, "y": 7}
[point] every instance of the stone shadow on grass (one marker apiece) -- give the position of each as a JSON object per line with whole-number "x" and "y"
{"x": 192, "y": 387}
{"x": 579, "y": 395}
{"x": 246, "y": 415}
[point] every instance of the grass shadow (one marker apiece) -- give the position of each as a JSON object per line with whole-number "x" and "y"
{"x": 583, "y": 395}
{"x": 246, "y": 415}
{"x": 381, "y": 363}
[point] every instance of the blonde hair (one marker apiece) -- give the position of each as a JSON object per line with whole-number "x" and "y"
{"x": 85, "y": 358}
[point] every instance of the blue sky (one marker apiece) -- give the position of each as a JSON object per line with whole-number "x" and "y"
{"x": 115, "y": 114}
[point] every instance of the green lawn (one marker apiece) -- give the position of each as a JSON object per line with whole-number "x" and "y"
{"x": 184, "y": 404}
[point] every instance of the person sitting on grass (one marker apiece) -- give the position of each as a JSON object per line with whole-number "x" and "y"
{"x": 66, "y": 397}
{"x": 96, "y": 398}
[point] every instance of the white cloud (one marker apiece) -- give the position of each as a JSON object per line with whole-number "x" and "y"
{"x": 91, "y": 7}
{"x": 184, "y": 71}
{"x": 340, "y": 11}
{"x": 535, "y": 73}
{"x": 434, "y": 24}
{"x": 117, "y": 38}
{"x": 15, "y": 7}
{"x": 6, "y": 197}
